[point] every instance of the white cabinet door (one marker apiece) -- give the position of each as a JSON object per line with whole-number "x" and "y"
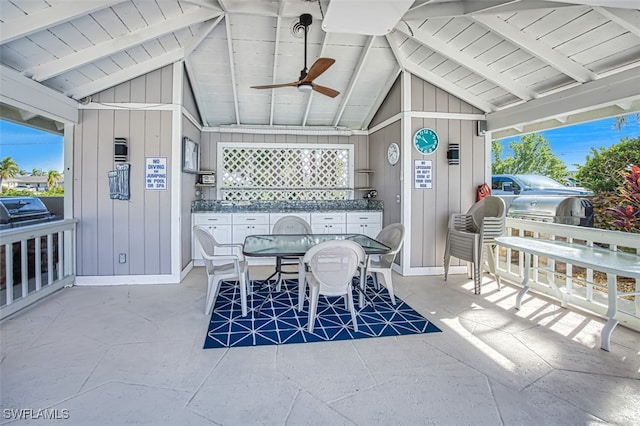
{"x": 328, "y": 223}
{"x": 219, "y": 225}
{"x": 240, "y": 232}
{"x": 366, "y": 223}
{"x": 245, "y": 224}
{"x": 329, "y": 228}
{"x": 368, "y": 229}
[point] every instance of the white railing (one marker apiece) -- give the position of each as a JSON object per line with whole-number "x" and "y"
{"x": 35, "y": 261}
{"x": 576, "y": 283}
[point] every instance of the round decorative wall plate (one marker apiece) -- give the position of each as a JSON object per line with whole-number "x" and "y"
{"x": 393, "y": 153}
{"x": 426, "y": 141}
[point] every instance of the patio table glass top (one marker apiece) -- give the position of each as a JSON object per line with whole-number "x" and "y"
{"x": 298, "y": 244}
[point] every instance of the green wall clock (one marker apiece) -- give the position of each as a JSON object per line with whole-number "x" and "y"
{"x": 426, "y": 141}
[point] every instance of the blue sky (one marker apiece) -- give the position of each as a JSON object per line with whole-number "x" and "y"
{"x": 32, "y": 148}
{"x": 573, "y": 143}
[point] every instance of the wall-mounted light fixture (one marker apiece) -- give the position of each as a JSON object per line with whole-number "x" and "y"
{"x": 120, "y": 150}
{"x": 453, "y": 154}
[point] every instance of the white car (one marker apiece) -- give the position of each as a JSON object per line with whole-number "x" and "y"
{"x": 533, "y": 185}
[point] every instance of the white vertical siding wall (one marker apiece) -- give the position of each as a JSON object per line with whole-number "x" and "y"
{"x": 454, "y": 187}
{"x": 141, "y": 226}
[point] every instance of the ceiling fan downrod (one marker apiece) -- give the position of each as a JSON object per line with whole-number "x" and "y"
{"x": 305, "y": 21}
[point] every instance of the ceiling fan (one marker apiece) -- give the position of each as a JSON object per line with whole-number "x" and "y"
{"x": 305, "y": 82}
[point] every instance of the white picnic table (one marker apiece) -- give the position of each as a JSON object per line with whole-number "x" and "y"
{"x": 613, "y": 263}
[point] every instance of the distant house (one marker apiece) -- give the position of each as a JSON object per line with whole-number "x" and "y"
{"x": 29, "y": 183}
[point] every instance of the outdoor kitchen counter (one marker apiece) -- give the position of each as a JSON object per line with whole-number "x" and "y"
{"x": 208, "y": 206}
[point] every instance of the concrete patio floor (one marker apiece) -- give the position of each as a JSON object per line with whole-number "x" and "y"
{"x": 133, "y": 355}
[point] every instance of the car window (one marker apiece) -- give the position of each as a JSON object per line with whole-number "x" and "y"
{"x": 495, "y": 183}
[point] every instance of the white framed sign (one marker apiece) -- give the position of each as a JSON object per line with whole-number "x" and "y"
{"x": 155, "y": 174}
{"x": 423, "y": 174}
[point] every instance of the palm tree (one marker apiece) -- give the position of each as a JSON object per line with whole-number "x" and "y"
{"x": 53, "y": 178}
{"x": 622, "y": 120}
{"x": 37, "y": 172}
{"x": 8, "y": 169}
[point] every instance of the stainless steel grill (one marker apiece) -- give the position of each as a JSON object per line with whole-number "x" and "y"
{"x": 556, "y": 209}
{"x": 22, "y": 211}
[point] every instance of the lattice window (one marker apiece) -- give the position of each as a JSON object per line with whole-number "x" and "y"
{"x": 285, "y": 172}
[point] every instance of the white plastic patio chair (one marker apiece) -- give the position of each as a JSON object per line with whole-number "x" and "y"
{"x": 288, "y": 225}
{"x": 222, "y": 267}
{"x": 392, "y": 236}
{"x": 332, "y": 265}
{"x": 472, "y": 235}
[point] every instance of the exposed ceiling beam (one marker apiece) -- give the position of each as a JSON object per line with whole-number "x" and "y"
{"x": 96, "y": 52}
{"x": 354, "y": 79}
{"x": 436, "y": 80}
{"x": 450, "y": 87}
{"x": 49, "y": 17}
{"x": 624, "y": 4}
{"x": 579, "y": 118}
{"x": 611, "y": 90}
{"x": 466, "y": 7}
{"x": 126, "y": 74}
{"x": 195, "y": 88}
{"x": 276, "y": 49}
{"x": 394, "y": 50}
{"x": 223, "y": 5}
{"x": 27, "y": 115}
{"x": 476, "y": 8}
{"x": 469, "y": 62}
{"x": 195, "y": 42}
{"x": 132, "y": 71}
{"x": 382, "y": 94}
{"x": 621, "y": 17}
{"x": 197, "y": 93}
{"x": 325, "y": 37}
{"x": 535, "y": 47}
{"x": 204, "y": 3}
{"x": 232, "y": 68}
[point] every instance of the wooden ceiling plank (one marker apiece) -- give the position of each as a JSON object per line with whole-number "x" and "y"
{"x": 470, "y": 62}
{"x": 232, "y": 67}
{"x": 453, "y": 89}
{"x": 621, "y": 17}
{"x": 105, "y": 49}
{"x": 125, "y": 75}
{"x": 536, "y": 48}
{"x": 354, "y": 79}
{"x": 50, "y": 17}
{"x": 382, "y": 94}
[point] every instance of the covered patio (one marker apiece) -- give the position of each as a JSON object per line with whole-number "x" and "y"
{"x": 120, "y": 341}
{"x": 116, "y": 355}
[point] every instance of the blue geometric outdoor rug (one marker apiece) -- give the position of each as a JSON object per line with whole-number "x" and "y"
{"x": 279, "y": 321}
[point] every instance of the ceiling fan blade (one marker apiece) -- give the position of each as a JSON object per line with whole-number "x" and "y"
{"x": 325, "y": 90}
{"x": 273, "y": 86}
{"x": 318, "y": 67}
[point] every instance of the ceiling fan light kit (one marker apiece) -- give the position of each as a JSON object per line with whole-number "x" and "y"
{"x": 305, "y": 82}
{"x": 305, "y": 88}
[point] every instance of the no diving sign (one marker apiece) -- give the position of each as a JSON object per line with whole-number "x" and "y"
{"x": 156, "y": 173}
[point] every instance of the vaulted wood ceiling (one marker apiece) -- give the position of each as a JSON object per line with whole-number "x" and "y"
{"x": 514, "y": 60}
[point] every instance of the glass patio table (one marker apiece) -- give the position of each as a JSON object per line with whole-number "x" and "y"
{"x": 296, "y": 245}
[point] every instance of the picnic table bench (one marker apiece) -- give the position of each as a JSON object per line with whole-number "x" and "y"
{"x": 613, "y": 263}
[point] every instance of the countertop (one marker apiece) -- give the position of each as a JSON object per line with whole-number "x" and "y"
{"x": 211, "y": 206}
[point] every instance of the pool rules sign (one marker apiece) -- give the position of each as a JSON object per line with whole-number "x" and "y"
{"x": 423, "y": 174}
{"x": 156, "y": 173}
